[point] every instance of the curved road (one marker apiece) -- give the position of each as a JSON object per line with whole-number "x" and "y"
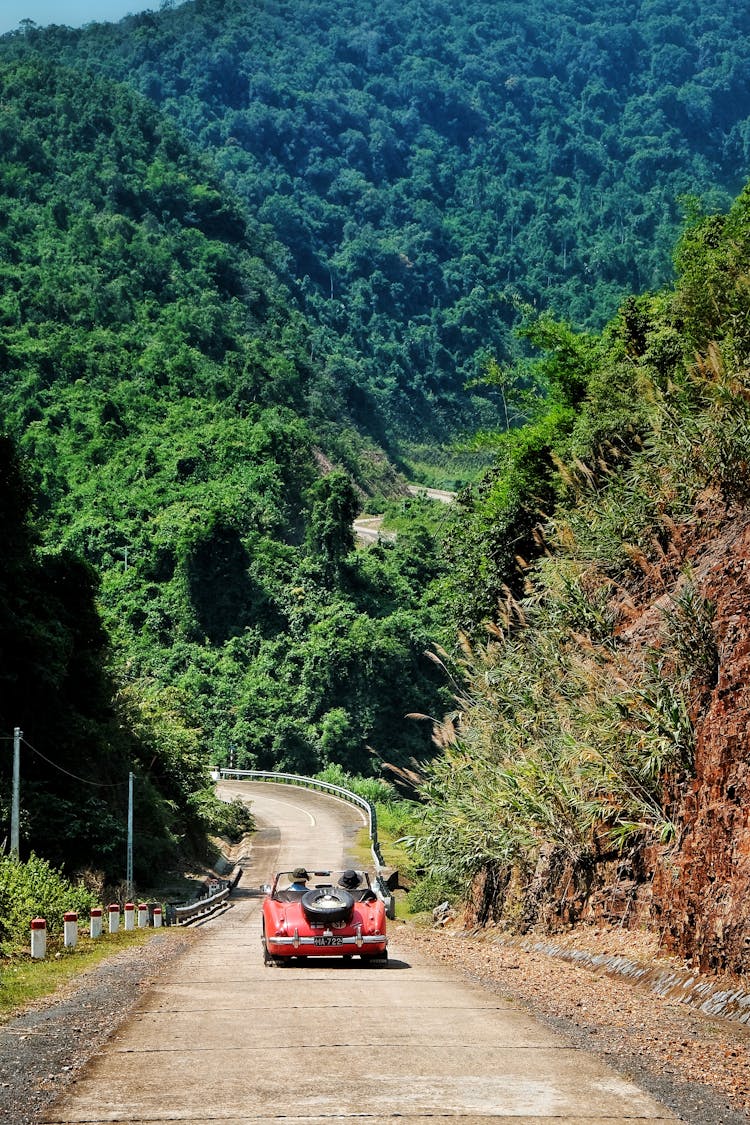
{"x": 221, "y": 1038}
{"x": 368, "y": 529}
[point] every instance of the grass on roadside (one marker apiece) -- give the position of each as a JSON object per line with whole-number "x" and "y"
{"x": 396, "y": 822}
{"x": 392, "y": 828}
{"x": 23, "y": 980}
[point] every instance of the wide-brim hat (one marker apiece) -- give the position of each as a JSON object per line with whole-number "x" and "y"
{"x": 300, "y": 873}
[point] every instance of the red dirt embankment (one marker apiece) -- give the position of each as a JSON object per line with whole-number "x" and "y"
{"x": 693, "y": 893}
{"x": 701, "y": 888}
{"x": 701, "y": 884}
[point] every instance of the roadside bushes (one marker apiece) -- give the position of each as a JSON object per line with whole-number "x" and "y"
{"x": 35, "y": 888}
{"x": 231, "y": 819}
{"x": 397, "y": 817}
{"x": 369, "y": 788}
{"x": 578, "y": 700}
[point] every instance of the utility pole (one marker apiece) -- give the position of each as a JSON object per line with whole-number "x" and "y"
{"x": 15, "y": 808}
{"x": 129, "y": 872}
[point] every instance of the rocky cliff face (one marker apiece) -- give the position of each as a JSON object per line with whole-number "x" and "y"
{"x": 695, "y": 890}
{"x": 701, "y": 887}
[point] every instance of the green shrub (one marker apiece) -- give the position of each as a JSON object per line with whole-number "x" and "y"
{"x": 231, "y": 819}
{"x": 429, "y": 892}
{"x": 35, "y": 889}
{"x": 371, "y": 789}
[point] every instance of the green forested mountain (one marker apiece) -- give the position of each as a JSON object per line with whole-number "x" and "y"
{"x": 425, "y": 164}
{"x": 157, "y": 379}
{"x": 251, "y": 251}
{"x": 79, "y": 740}
{"x": 597, "y": 750}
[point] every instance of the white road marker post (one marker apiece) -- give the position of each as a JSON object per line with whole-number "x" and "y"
{"x": 38, "y": 939}
{"x": 70, "y": 929}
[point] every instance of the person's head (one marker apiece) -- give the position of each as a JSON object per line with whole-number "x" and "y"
{"x": 349, "y": 879}
{"x": 300, "y": 875}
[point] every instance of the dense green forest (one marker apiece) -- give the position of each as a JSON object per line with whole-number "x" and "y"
{"x": 155, "y": 376}
{"x": 252, "y": 257}
{"x": 80, "y": 741}
{"x": 426, "y": 165}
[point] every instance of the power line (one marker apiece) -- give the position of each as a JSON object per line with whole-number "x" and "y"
{"x": 75, "y": 776}
{"x": 15, "y": 810}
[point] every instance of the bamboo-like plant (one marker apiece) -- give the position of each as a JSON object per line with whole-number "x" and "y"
{"x": 569, "y": 737}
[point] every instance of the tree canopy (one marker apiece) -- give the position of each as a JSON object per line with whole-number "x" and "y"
{"x": 425, "y": 165}
{"x": 156, "y": 379}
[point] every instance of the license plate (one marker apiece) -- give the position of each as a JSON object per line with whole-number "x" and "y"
{"x": 328, "y": 941}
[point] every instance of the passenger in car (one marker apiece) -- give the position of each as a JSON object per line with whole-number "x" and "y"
{"x": 299, "y": 877}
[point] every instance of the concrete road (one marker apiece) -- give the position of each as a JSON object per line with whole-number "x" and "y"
{"x": 440, "y": 494}
{"x": 368, "y": 529}
{"x": 221, "y": 1038}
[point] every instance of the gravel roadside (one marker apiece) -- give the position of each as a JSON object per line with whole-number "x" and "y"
{"x": 697, "y": 1065}
{"x": 44, "y": 1047}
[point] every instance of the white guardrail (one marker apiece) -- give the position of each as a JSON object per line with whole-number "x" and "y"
{"x": 205, "y": 905}
{"x": 380, "y": 886}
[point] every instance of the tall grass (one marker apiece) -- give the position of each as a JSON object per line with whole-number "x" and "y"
{"x": 565, "y": 738}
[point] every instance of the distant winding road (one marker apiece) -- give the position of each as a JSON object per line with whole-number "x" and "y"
{"x": 368, "y": 529}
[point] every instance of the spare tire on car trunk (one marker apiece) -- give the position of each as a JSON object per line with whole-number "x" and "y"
{"x": 325, "y": 906}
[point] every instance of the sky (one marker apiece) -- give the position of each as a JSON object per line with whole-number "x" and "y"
{"x": 73, "y": 13}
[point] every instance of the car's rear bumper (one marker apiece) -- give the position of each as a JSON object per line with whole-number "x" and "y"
{"x": 325, "y": 945}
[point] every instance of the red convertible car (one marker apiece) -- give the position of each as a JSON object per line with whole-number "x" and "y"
{"x": 323, "y": 914}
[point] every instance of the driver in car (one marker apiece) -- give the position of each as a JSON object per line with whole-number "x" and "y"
{"x": 299, "y": 879}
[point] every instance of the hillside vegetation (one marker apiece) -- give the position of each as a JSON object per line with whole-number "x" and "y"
{"x": 595, "y": 758}
{"x": 156, "y": 378}
{"x": 80, "y": 738}
{"x": 259, "y": 258}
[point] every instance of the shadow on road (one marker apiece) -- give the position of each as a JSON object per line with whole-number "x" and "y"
{"x": 337, "y": 964}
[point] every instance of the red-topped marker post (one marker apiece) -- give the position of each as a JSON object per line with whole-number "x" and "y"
{"x": 38, "y": 939}
{"x": 95, "y": 922}
{"x": 70, "y": 929}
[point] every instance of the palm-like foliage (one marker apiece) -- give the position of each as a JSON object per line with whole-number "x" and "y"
{"x": 559, "y": 741}
{"x": 572, "y": 736}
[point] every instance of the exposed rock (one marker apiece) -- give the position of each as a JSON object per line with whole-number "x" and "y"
{"x": 700, "y": 890}
{"x": 443, "y": 914}
{"x": 693, "y": 892}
